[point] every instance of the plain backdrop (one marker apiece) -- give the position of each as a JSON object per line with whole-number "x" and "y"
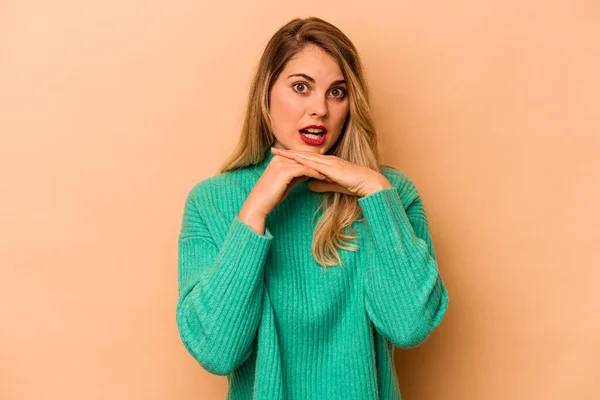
{"x": 110, "y": 112}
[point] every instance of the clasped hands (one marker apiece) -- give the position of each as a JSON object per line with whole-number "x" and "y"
{"x": 341, "y": 175}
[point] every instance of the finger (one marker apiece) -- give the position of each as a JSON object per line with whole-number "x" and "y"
{"x": 290, "y": 160}
{"x": 285, "y": 159}
{"x": 329, "y": 170}
{"x": 312, "y": 172}
{"x": 322, "y": 186}
{"x": 299, "y": 170}
{"x": 298, "y": 179}
{"x": 291, "y": 154}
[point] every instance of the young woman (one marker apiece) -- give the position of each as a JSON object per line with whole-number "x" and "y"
{"x": 305, "y": 261}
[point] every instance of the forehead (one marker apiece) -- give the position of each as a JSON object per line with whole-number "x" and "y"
{"x": 315, "y": 62}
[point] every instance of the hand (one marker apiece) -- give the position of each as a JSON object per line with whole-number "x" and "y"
{"x": 341, "y": 175}
{"x": 280, "y": 176}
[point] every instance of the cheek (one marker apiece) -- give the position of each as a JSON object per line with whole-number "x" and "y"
{"x": 341, "y": 113}
{"x": 284, "y": 105}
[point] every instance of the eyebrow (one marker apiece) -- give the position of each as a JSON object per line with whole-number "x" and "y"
{"x": 313, "y": 81}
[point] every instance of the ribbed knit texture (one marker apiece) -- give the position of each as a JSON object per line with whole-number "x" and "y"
{"x": 259, "y": 309}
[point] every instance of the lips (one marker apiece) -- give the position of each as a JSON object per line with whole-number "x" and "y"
{"x": 314, "y": 128}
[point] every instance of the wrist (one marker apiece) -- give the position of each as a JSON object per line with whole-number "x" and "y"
{"x": 249, "y": 212}
{"x": 380, "y": 184}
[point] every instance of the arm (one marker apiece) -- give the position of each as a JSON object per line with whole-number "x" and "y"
{"x": 405, "y": 296}
{"x": 220, "y": 290}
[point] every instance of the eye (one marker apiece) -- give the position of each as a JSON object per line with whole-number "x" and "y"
{"x": 295, "y": 85}
{"x": 342, "y": 92}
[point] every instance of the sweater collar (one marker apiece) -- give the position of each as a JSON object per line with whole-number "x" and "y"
{"x": 262, "y": 165}
{"x": 266, "y": 159}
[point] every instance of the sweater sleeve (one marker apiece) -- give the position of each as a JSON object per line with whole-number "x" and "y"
{"x": 405, "y": 296}
{"x": 220, "y": 290}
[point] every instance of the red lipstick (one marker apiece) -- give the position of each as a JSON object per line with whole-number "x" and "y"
{"x": 321, "y": 127}
{"x": 317, "y": 136}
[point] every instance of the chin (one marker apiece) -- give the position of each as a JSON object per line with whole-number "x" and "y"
{"x": 322, "y": 150}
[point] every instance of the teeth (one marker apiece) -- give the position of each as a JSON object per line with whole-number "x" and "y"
{"x": 309, "y": 135}
{"x": 314, "y": 130}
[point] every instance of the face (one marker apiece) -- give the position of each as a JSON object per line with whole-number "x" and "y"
{"x": 309, "y": 91}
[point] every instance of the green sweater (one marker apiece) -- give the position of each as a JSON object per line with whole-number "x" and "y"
{"x": 259, "y": 309}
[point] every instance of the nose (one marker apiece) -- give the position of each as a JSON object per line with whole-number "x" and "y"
{"x": 318, "y": 107}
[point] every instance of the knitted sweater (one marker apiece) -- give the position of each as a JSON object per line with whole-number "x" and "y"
{"x": 259, "y": 309}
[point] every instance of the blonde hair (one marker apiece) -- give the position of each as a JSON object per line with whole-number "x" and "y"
{"x": 357, "y": 142}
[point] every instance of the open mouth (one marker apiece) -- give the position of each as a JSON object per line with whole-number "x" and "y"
{"x": 312, "y": 133}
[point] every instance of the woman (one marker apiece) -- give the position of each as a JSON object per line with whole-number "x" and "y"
{"x": 254, "y": 301}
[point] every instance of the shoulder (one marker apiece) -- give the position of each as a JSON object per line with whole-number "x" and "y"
{"x": 407, "y": 190}
{"x": 222, "y": 188}
{"x": 212, "y": 203}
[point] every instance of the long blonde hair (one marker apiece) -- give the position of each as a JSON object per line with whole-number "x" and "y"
{"x": 357, "y": 142}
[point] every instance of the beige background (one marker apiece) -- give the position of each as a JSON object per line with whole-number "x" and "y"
{"x": 110, "y": 111}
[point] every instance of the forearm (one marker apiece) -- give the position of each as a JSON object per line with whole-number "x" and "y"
{"x": 252, "y": 218}
{"x": 404, "y": 293}
{"x": 221, "y": 296}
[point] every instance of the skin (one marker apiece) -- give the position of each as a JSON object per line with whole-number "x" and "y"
{"x": 296, "y": 102}
{"x": 342, "y": 176}
{"x": 318, "y": 98}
